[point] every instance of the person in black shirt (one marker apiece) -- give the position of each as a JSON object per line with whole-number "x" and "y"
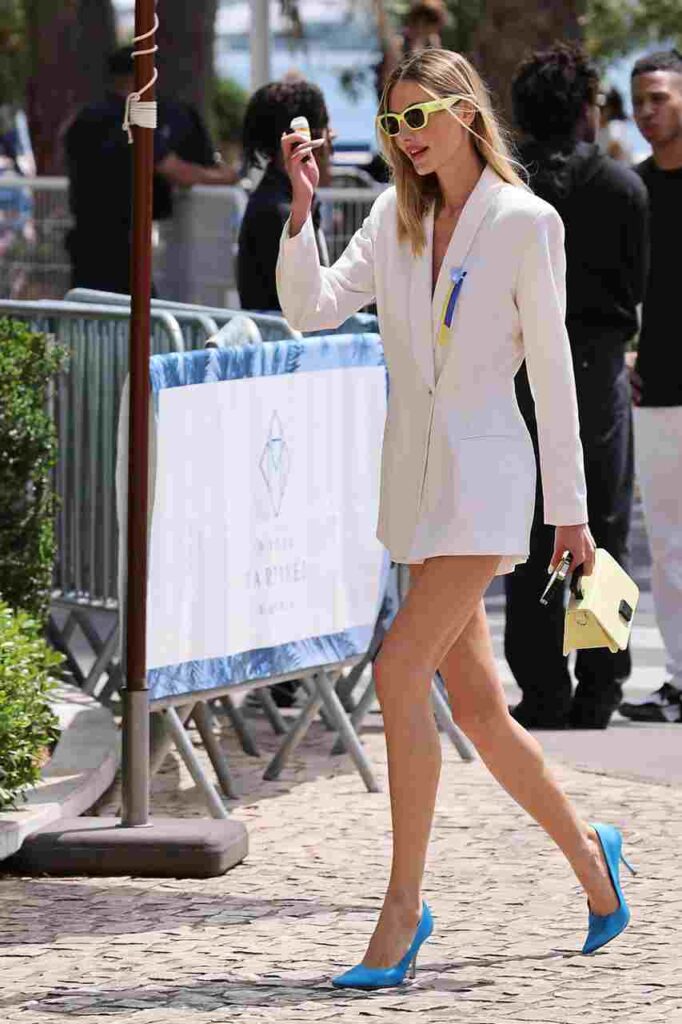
{"x": 604, "y": 209}
{"x": 99, "y": 165}
{"x": 657, "y": 375}
{"x": 268, "y": 115}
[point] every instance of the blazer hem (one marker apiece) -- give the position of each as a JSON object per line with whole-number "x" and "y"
{"x": 507, "y": 564}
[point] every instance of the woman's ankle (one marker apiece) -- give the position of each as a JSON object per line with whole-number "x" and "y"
{"x": 404, "y": 903}
{"x": 589, "y": 863}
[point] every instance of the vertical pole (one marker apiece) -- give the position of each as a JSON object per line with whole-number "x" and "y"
{"x": 135, "y": 765}
{"x": 260, "y": 43}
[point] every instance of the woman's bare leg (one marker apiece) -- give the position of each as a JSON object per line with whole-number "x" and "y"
{"x": 516, "y": 759}
{"x": 443, "y": 595}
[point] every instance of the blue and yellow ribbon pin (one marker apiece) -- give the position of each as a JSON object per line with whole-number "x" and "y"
{"x": 457, "y": 275}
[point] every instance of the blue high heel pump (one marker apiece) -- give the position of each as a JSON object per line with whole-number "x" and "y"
{"x": 602, "y": 929}
{"x": 387, "y": 977}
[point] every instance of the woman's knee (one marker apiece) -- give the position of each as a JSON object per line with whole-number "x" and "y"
{"x": 479, "y": 723}
{"x": 386, "y": 669}
{"x": 479, "y": 714}
{"x": 397, "y": 676}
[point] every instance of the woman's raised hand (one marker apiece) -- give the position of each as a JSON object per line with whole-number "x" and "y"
{"x": 303, "y": 172}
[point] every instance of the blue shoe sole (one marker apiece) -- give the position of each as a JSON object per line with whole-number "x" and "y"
{"x": 370, "y": 978}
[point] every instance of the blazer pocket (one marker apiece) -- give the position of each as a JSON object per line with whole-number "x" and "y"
{"x": 506, "y": 459}
{"x": 494, "y": 491}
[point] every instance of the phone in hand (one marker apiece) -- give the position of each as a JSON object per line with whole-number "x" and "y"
{"x": 557, "y": 578}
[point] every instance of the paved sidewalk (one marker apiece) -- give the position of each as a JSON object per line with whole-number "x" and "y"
{"x": 260, "y": 943}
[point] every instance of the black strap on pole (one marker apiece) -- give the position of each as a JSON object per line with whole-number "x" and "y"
{"x": 135, "y": 766}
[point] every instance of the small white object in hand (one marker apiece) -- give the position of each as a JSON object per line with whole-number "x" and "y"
{"x": 300, "y": 124}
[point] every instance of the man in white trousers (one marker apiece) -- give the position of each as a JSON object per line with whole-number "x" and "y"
{"x": 657, "y": 373}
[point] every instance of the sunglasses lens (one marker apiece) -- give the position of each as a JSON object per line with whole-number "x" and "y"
{"x": 390, "y": 124}
{"x": 415, "y": 118}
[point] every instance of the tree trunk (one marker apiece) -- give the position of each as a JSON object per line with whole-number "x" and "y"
{"x": 186, "y": 40}
{"x": 97, "y": 25}
{"x": 68, "y": 43}
{"x": 510, "y": 29}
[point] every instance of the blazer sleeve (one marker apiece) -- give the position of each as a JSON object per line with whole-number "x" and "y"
{"x": 541, "y": 300}
{"x": 313, "y": 297}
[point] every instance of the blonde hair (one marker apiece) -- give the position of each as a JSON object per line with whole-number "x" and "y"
{"x": 442, "y": 73}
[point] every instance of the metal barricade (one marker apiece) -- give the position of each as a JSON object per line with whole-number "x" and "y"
{"x": 34, "y": 262}
{"x": 271, "y": 327}
{"x": 86, "y": 405}
{"x": 343, "y": 211}
{"x": 195, "y": 324}
{"x": 194, "y": 251}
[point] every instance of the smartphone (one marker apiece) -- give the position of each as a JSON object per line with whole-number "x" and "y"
{"x": 557, "y": 578}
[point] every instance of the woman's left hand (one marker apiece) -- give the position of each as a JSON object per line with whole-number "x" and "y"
{"x": 579, "y": 541}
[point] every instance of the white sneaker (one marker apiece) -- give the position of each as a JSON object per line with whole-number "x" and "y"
{"x": 663, "y": 705}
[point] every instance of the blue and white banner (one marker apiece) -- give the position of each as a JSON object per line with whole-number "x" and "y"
{"x": 263, "y": 554}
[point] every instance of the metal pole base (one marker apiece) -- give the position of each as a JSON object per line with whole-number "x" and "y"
{"x": 135, "y": 757}
{"x": 163, "y": 848}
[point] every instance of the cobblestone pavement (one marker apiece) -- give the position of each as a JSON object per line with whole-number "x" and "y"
{"x": 260, "y": 943}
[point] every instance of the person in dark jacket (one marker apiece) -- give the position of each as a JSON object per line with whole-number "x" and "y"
{"x": 603, "y": 205}
{"x": 268, "y": 115}
{"x": 99, "y": 165}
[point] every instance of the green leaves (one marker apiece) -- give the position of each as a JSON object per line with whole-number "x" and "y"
{"x": 13, "y": 52}
{"x": 228, "y": 103}
{"x": 615, "y": 27}
{"x": 28, "y": 452}
{"x": 28, "y": 673}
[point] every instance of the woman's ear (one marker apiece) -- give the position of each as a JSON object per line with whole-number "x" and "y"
{"x": 466, "y": 112}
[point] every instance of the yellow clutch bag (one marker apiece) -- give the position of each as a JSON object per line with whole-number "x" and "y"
{"x": 601, "y": 607}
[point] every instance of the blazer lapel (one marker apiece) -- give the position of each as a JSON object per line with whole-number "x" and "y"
{"x": 425, "y": 310}
{"x": 475, "y": 210}
{"x": 420, "y": 304}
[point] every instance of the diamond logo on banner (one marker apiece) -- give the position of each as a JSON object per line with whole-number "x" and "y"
{"x": 275, "y": 463}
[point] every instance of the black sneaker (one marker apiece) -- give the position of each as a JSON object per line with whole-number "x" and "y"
{"x": 284, "y": 694}
{"x": 664, "y": 705}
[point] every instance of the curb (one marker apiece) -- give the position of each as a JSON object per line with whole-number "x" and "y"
{"x": 82, "y": 767}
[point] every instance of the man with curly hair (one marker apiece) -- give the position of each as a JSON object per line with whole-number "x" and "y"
{"x": 268, "y": 115}
{"x": 555, "y": 95}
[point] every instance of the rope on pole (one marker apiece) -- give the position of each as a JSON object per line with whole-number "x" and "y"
{"x": 137, "y": 111}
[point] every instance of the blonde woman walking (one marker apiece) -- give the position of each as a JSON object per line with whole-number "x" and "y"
{"x": 467, "y": 268}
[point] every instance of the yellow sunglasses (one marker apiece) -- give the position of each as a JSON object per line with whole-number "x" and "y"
{"x": 417, "y": 116}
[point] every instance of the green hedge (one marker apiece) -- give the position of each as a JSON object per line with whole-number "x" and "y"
{"x": 228, "y": 106}
{"x": 28, "y": 451}
{"x": 28, "y": 672}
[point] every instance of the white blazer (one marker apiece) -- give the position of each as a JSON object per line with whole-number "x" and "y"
{"x": 458, "y": 469}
